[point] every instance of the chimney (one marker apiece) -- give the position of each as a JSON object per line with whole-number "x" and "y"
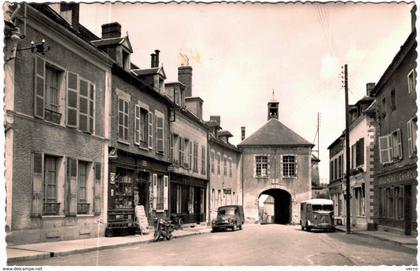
{"x": 152, "y": 62}
{"x": 70, "y": 13}
{"x": 157, "y": 58}
{"x": 216, "y": 119}
{"x": 195, "y": 106}
{"x": 413, "y": 18}
{"x": 369, "y": 88}
{"x": 185, "y": 77}
{"x": 111, "y": 30}
{"x": 242, "y": 133}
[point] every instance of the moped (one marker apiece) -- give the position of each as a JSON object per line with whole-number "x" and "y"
{"x": 163, "y": 229}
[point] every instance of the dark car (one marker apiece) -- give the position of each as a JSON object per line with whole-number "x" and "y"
{"x": 228, "y": 217}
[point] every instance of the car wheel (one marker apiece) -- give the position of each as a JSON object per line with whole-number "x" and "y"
{"x": 307, "y": 228}
{"x": 240, "y": 227}
{"x": 213, "y": 230}
{"x": 234, "y": 227}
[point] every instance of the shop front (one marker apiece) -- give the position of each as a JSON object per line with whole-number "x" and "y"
{"x": 188, "y": 198}
{"x": 135, "y": 181}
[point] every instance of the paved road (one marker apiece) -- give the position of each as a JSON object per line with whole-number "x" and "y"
{"x": 254, "y": 245}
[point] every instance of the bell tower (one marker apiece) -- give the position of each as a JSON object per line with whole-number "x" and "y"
{"x": 273, "y": 108}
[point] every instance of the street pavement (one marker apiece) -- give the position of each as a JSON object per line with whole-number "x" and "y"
{"x": 255, "y": 245}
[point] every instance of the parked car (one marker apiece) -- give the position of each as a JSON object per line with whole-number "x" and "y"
{"x": 228, "y": 217}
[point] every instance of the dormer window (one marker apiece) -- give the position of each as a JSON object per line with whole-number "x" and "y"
{"x": 126, "y": 60}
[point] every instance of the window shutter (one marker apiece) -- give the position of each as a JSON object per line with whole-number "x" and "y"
{"x": 71, "y": 208}
{"x": 83, "y": 105}
{"x": 165, "y": 192}
{"x": 171, "y": 147}
{"x": 39, "y": 88}
{"x": 281, "y": 165}
{"x": 154, "y": 176}
{"x": 410, "y": 137}
{"x": 190, "y": 155}
{"x": 150, "y": 130}
{"x": 268, "y": 165}
{"x": 384, "y": 151}
{"x": 159, "y": 134}
{"x": 137, "y": 125}
{"x": 37, "y": 179}
{"x": 399, "y": 144}
{"x": 91, "y": 108}
{"x": 97, "y": 189}
{"x": 72, "y": 99}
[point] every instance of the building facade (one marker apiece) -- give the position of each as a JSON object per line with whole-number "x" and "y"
{"x": 188, "y": 152}
{"x": 396, "y": 170}
{"x": 224, "y": 170}
{"x": 336, "y": 184}
{"x": 56, "y": 130}
{"x": 276, "y": 162}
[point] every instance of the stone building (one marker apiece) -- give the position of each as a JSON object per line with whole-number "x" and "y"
{"x": 55, "y": 125}
{"x": 396, "y": 170}
{"x": 224, "y": 170}
{"x": 277, "y": 162}
{"x": 139, "y": 143}
{"x": 188, "y": 151}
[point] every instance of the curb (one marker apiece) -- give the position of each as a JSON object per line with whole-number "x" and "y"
{"x": 406, "y": 245}
{"x": 46, "y": 254}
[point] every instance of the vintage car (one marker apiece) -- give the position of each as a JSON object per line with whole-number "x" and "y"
{"x": 228, "y": 217}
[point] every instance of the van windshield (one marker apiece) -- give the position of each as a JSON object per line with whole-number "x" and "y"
{"x": 226, "y": 211}
{"x": 319, "y": 207}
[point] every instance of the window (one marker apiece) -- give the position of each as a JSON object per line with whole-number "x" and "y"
{"x": 47, "y": 91}
{"x": 195, "y": 161}
{"x": 82, "y": 205}
{"x": 385, "y": 149}
{"x": 399, "y": 202}
{"x": 224, "y": 166}
{"x": 80, "y": 103}
{"x": 230, "y": 168}
{"x": 137, "y": 125}
{"x": 189, "y": 146}
{"x": 412, "y": 137}
{"x": 396, "y": 145}
{"x": 123, "y": 119}
{"x": 203, "y": 160}
{"x": 360, "y": 200}
{"x": 181, "y": 147}
{"x": 389, "y": 203}
{"x": 383, "y": 107}
{"x": 174, "y": 149}
{"x": 411, "y": 82}
{"x": 393, "y": 103}
{"x": 340, "y": 166}
{"x": 144, "y": 128}
{"x": 331, "y": 170}
{"x": 212, "y": 162}
{"x": 150, "y": 130}
{"x": 51, "y": 207}
{"x": 289, "y": 166}
{"x": 357, "y": 153}
{"x": 261, "y": 166}
{"x": 218, "y": 164}
{"x": 159, "y": 133}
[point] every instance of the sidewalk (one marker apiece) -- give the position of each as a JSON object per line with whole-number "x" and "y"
{"x": 60, "y": 248}
{"x": 402, "y": 240}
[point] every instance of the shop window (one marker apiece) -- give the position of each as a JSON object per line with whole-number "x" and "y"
{"x": 399, "y": 202}
{"x": 289, "y": 166}
{"x": 261, "y": 166}
{"x": 160, "y": 193}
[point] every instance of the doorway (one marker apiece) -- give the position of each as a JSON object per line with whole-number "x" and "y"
{"x": 274, "y": 206}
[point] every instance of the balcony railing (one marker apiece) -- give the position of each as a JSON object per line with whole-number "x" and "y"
{"x": 83, "y": 208}
{"x": 52, "y": 115}
{"x": 51, "y": 208}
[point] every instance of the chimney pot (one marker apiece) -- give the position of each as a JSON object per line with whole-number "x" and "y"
{"x": 185, "y": 77}
{"x": 70, "y": 13}
{"x": 242, "y": 133}
{"x": 369, "y": 88}
{"x": 111, "y": 30}
{"x": 157, "y": 58}
{"x": 216, "y": 119}
{"x": 152, "y": 60}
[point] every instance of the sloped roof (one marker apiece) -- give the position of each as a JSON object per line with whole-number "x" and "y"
{"x": 275, "y": 133}
{"x": 114, "y": 41}
{"x": 149, "y": 71}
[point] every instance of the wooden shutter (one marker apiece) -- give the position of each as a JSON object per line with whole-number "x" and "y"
{"x": 268, "y": 166}
{"x": 37, "y": 180}
{"x": 97, "y": 189}
{"x": 384, "y": 151}
{"x": 165, "y": 192}
{"x": 410, "y": 138}
{"x": 71, "y": 187}
{"x": 137, "y": 125}
{"x": 190, "y": 155}
{"x": 39, "y": 88}
{"x": 150, "y": 130}
{"x": 159, "y": 134}
{"x": 72, "y": 99}
{"x": 91, "y": 108}
{"x": 399, "y": 144}
{"x": 171, "y": 147}
{"x": 83, "y": 105}
{"x": 155, "y": 192}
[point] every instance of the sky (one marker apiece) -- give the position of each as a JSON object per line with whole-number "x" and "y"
{"x": 241, "y": 52}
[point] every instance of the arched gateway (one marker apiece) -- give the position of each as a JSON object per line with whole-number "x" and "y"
{"x": 275, "y": 162}
{"x": 282, "y": 206}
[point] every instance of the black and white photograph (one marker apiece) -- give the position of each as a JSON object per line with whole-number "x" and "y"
{"x": 209, "y": 134}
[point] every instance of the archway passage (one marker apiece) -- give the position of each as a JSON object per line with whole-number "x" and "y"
{"x": 278, "y": 200}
